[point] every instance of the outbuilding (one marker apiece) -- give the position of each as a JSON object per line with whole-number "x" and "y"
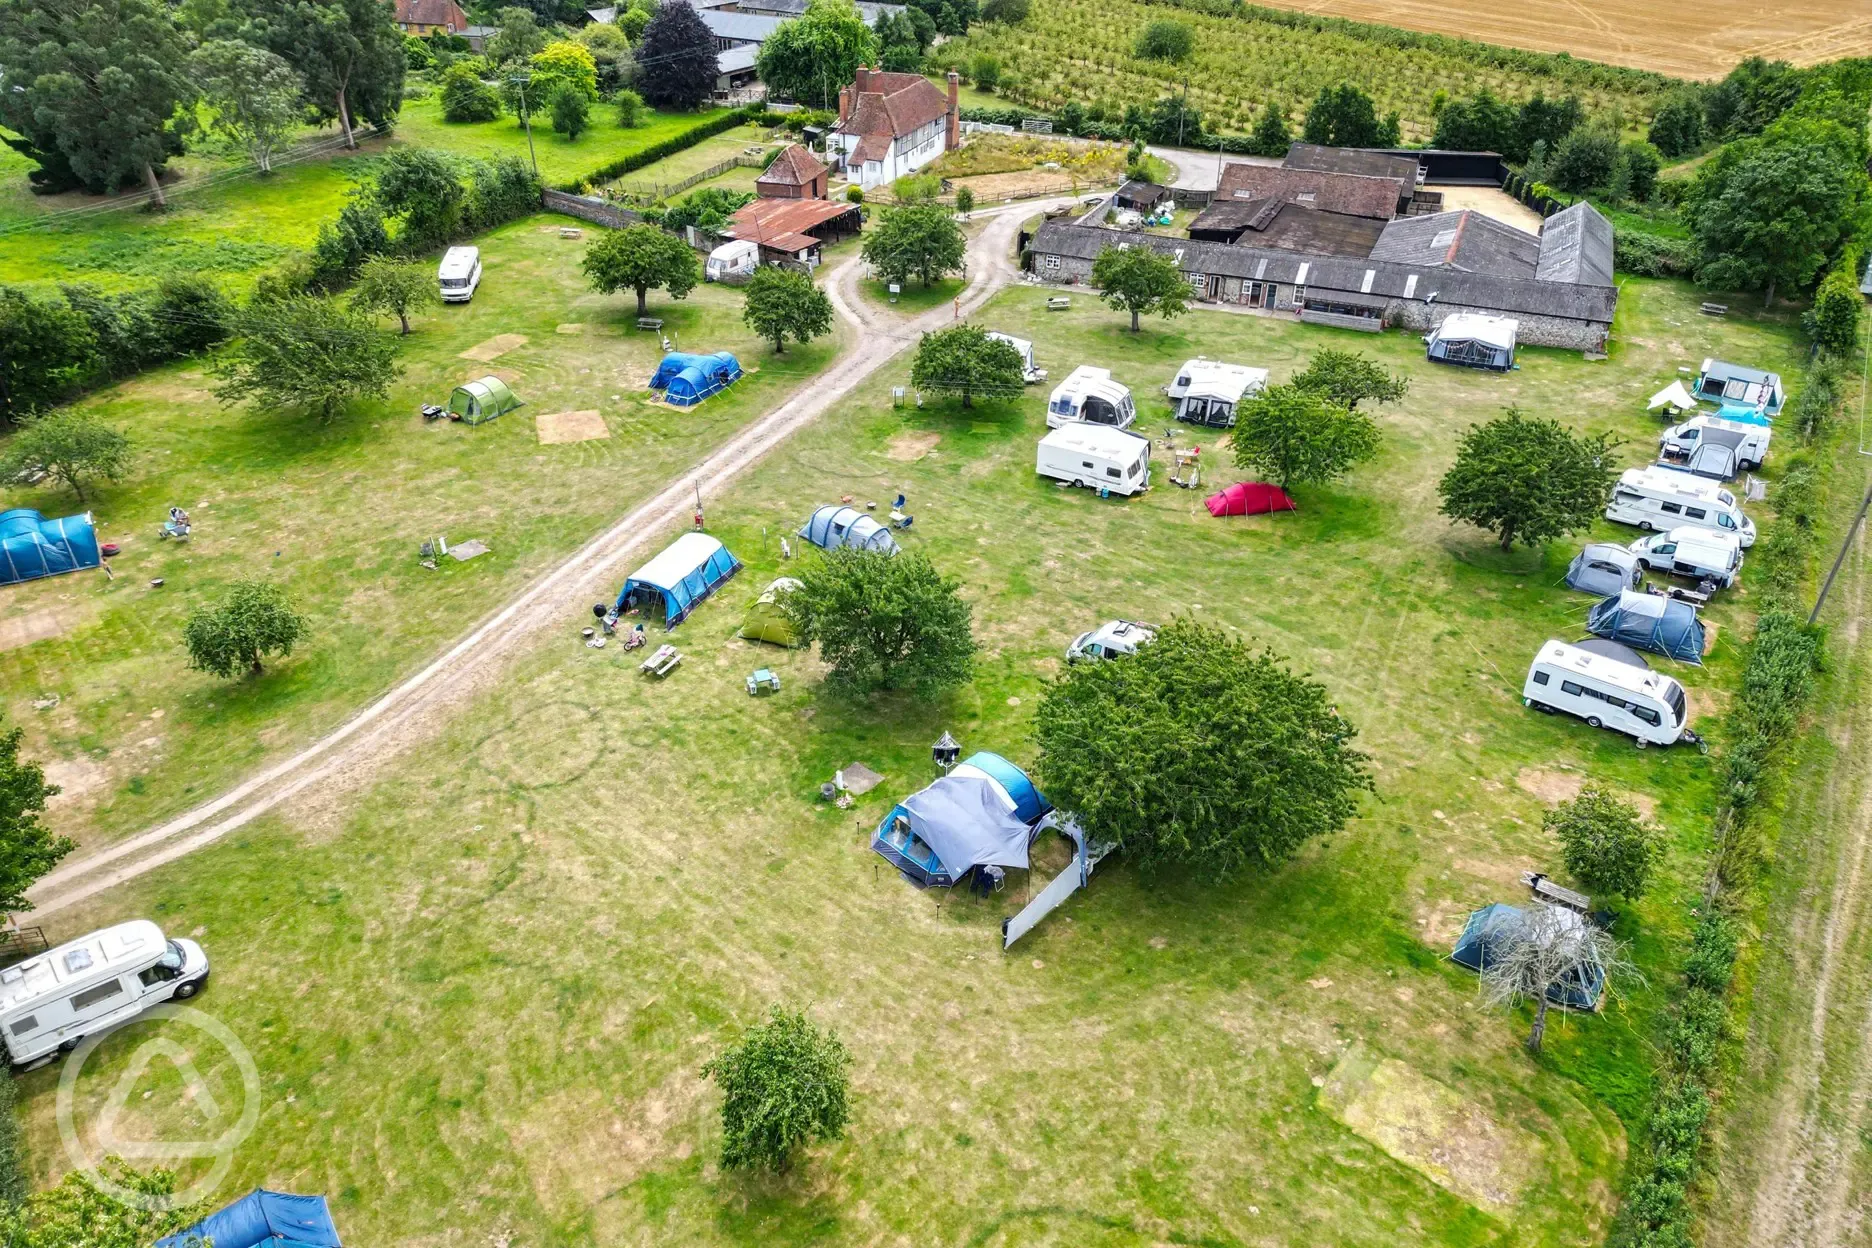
{"x": 832, "y": 526}
{"x": 688, "y": 570}
{"x": 32, "y": 546}
{"x": 1474, "y": 341}
{"x": 984, "y": 813}
{"x": 1650, "y": 622}
{"x": 477, "y": 402}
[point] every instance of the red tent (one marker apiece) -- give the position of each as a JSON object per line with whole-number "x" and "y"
{"x": 1249, "y": 498}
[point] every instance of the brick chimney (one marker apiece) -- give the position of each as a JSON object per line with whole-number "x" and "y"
{"x": 953, "y": 139}
{"x": 845, "y": 101}
{"x": 864, "y": 80}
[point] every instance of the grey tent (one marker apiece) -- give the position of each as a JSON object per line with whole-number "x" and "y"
{"x": 962, "y": 821}
{"x": 1718, "y": 455}
{"x": 1650, "y": 622}
{"x": 1493, "y": 927}
{"x": 1603, "y": 568}
{"x": 1617, "y": 651}
{"x": 831, "y": 527}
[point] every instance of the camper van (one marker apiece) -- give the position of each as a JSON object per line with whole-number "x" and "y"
{"x": 85, "y": 986}
{"x": 1700, "y": 554}
{"x": 1207, "y": 392}
{"x": 1750, "y": 442}
{"x": 1110, "y": 640}
{"x": 1031, "y": 374}
{"x": 1661, "y": 498}
{"x": 1089, "y": 394}
{"x": 1608, "y": 693}
{"x": 1096, "y": 456}
{"x": 460, "y": 274}
{"x": 732, "y": 260}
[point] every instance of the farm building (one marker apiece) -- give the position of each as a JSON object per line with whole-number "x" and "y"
{"x": 891, "y": 124}
{"x": 1353, "y": 194}
{"x": 1363, "y": 162}
{"x": 794, "y": 174}
{"x": 794, "y": 229}
{"x": 430, "y": 17}
{"x": 1283, "y": 226}
{"x": 1140, "y": 196}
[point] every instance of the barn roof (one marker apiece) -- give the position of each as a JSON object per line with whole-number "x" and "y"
{"x": 1335, "y": 192}
{"x": 1576, "y": 246}
{"x": 1289, "y": 227}
{"x": 1462, "y": 239}
{"x": 1366, "y": 161}
{"x": 794, "y": 166}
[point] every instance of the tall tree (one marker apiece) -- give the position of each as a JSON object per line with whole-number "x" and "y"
{"x": 1541, "y": 120}
{"x": 676, "y": 58}
{"x": 1344, "y": 116}
{"x": 1833, "y": 321}
{"x": 46, "y": 345}
{"x": 782, "y": 303}
{"x": 1165, "y": 40}
{"x": 1604, "y": 842}
{"x": 642, "y": 258}
{"x": 1677, "y": 126}
{"x": 299, "y": 351}
{"x": 1528, "y": 480}
{"x": 1584, "y": 159}
{"x": 27, "y": 848}
{"x": 884, "y": 622}
{"x": 517, "y": 36}
{"x": 1300, "y": 436}
{"x": 783, "y": 1086}
{"x": 349, "y": 52}
{"x": 1548, "y": 949}
{"x": 1480, "y": 123}
{"x": 915, "y": 240}
{"x": 253, "y": 621}
{"x": 398, "y": 287}
{"x": 66, "y": 445}
{"x": 1349, "y": 378}
{"x": 255, "y": 96}
{"x": 421, "y": 189}
{"x": 560, "y": 63}
{"x": 1141, "y": 281}
{"x": 100, "y": 83}
{"x": 964, "y": 361}
{"x": 1199, "y": 752}
{"x": 814, "y": 56}
{"x": 1271, "y": 135}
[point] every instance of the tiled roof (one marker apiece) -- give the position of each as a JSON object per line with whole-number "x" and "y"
{"x": 894, "y": 105}
{"x": 1359, "y": 160}
{"x": 1334, "y": 192}
{"x": 1289, "y": 227}
{"x": 794, "y": 166}
{"x": 1462, "y": 239}
{"x": 444, "y": 13}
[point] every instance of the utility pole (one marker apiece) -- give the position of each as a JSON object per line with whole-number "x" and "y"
{"x": 1846, "y": 545}
{"x": 526, "y": 119}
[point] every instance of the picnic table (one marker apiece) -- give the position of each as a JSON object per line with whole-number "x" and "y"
{"x": 765, "y": 678}
{"x": 649, "y": 322}
{"x": 1545, "y": 889}
{"x": 1059, "y": 303}
{"x": 662, "y": 662}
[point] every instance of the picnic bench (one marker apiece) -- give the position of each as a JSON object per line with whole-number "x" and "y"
{"x": 764, "y": 678}
{"x": 1695, "y": 598}
{"x": 1545, "y": 889}
{"x": 571, "y": 231}
{"x": 1714, "y": 309}
{"x": 662, "y": 662}
{"x": 1059, "y": 303}
{"x": 650, "y": 322}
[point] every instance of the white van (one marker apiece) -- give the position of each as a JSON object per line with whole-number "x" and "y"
{"x": 459, "y": 274}
{"x": 1608, "y": 693}
{"x": 1110, "y": 640}
{"x": 1750, "y": 441}
{"x": 1658, "y": 498}
{"x": 1700, "y": 554}
{"x": 1089, "y": 394}
{"x": 1096, "y": 456}
{"x": 85, "y": 986}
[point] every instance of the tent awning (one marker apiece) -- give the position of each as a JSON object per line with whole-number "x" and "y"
{"x": 1673, "y": 396}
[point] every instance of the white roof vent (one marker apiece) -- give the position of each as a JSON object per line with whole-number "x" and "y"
{"x": 77, "y": 960}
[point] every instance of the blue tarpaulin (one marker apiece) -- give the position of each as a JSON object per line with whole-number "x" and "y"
{"x": 1744, "y": 415}
{"x": 1650, "y": 622}
{"x": 687, "y": 379}
{"x": 32, "y": 546}
{"x": 685, "y": 573}
{"x": 272, "y": 1219}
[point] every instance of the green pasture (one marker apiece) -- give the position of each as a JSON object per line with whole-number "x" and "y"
{"x": 479, "y": 994}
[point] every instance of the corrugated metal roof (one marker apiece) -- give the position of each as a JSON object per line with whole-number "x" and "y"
{"x": 1576, "y": 246}
{"x": 1365, "y": 161}
{"x": 749, "y": 27}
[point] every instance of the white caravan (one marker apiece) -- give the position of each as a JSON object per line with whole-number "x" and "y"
{"x": 459, "y": 274}
{"x": 1659, "y": 498}
{"x": 1700, "y": 554}
{"x": 1750, "y": 441}
{"x": 738, "y": 258}
{"x": 1096, "y": 456}
{"x": 1031, "y": 374}
{"x": 88, "y": 985}
{"x": 1089, "y": 394}
{"x": 1608, "y": 693}
{"x": 1207, "y": 392}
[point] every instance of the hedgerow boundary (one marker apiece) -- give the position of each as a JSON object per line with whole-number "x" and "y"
{"x": 1777, "y": 684}
{"x": 656, "y": 151}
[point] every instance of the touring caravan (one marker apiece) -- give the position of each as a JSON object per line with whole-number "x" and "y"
{"x": 1700, "y": 554}
{"x": 1207, "y": 392}
{"x": 85, "y": 986}
{"x": 1096, "y": 456}
{"x": 1090, "y": 395}
{"x": 459, "y": 274}
{"x": 1749, "y": 442}
{"x": 1608, "y": 693}
{"x": 1031, "y": 373}
{"x": 732, "y": 261}
{"x": 1658, "y": 497}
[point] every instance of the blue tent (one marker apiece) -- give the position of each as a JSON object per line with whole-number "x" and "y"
{"x": 685, "y": 573}
{"x": 687, "y": 379}
{"x": 833, "y": 526}
{"x": 32, "y": 546}
{"x": 273, "y": 1219}
{"x": 1650, "y": 622}
{"x": 981, "y": 814}
{"x": 1744, "y": 415}
{"x": 1494, "y": 925}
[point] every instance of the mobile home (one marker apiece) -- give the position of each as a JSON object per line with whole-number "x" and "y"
{"x": 1700, "y": 554}
{"x": 1090, "y": 395}
{"x": 88, "y": 985}
{"x": 1097, "y": 457}
{"x": 459, "y": 274}
{"x": 1207, "y": 392}
{"x": 1608, "y": 693}
{"x": 1658, "y": 497}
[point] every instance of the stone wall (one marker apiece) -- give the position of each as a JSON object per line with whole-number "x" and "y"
{"x": 590, "y": 208}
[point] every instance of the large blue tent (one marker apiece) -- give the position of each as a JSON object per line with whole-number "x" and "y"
{"x": 1494, "y": 926}
{"x": 685, "y": 573}
{"x": 272, "y": 1219}
{"x": 981, "y": 814}
{"x": 32, "y": 546}
{"x": 1650, "y": 622}
{"x": 687, "y": 379}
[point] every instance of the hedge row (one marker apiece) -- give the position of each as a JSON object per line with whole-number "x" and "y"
{"x": 657, "y": 151}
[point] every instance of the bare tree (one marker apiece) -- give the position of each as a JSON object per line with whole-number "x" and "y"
{"x": 1551, "y": 947}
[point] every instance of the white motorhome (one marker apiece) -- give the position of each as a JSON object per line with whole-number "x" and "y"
{"x": 1031, "y": 373}
{"x": 1608, "y": 693}
{"x": 1750, "y": 442}
{"x": 1207, "y": 392}
{"x": 85, "y": 986}
{"x": 1700, "y": 554}
{"x": 459, "y": 274}
{"x": 1110, "y": 640}
{"x": 735, "y": 259}
{"x": 1659, "y": 498}
{"x": 1097, "y": 457}
{"x": 1089, "y": 394}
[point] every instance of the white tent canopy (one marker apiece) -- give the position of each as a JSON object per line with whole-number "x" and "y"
{"x": 1673, "y": 396}
{"x": 1495, "y": 331}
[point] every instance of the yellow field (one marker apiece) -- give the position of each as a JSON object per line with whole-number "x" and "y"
{"x": 1701, "y": 40}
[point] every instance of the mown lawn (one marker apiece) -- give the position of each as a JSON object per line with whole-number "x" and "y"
{"x": 480, "y": 995}
{"x": 337, "y": 513}
{"x": 560, "y": 159}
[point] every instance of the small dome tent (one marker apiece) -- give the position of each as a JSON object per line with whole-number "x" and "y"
{"x": 687, "y": 379}
{"x": 1650, "y": 622}
{"x": 688, "y": 570}
{"x": 1249, "y": 498}
{"x": 1494, "y": 926}
{"x": 766, "y": 621}
{"x": 477, "y": 402}
{"x": 983, "y": 813}
{"x": 832, "y": 526}
{"x": 32, "y": 546}
{"x": 1604, "y": 568}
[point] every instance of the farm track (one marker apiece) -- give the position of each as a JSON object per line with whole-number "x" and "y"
{"x": 416, "y": 709}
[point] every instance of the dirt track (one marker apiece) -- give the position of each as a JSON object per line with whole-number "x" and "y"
{"x": 415, "y": 710}
{"x": 1792, "y": 1159}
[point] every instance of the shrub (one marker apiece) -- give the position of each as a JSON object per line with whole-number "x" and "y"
{"x": 465, "y": 98}
{"x": 1604, "y": 843}
{"x": 854, "y": 194}
{"x": 1833, "y": 321}
{"x": 253, "y": 621}
{"x": 570, "y": 109}
{"x": 630, "y": 108}
{"x": 1584, "y": 159}
{"x": 1652, "y": 255}
{"x": 1712, "y": 953}
{"x": 1165, "y": 40}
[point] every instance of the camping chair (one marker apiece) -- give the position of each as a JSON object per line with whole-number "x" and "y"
{"x": 900, "y": 521}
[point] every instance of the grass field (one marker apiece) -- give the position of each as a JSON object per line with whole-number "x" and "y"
{"x": 337, "y": 512}
{"x": 479, "y": 994}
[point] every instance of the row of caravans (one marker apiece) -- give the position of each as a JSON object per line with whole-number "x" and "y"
{"x": 1609, "y": 692}
{"x": 51, "y": 1002}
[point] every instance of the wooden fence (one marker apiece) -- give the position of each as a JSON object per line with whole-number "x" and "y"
{"x": 651, "y": 192}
